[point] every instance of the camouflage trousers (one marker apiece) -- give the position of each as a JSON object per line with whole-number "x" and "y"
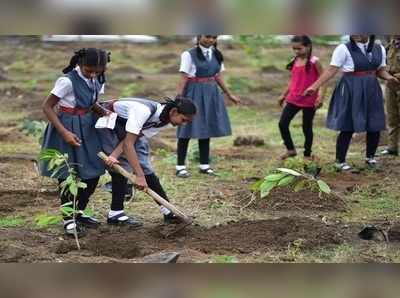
{"x": 392, "y": 100}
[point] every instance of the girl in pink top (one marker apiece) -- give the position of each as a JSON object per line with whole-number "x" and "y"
{"x": 305, "y": 70}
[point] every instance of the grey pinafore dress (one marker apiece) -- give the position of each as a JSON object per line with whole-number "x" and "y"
{"x": 357, "y": 101}
{"x": 84, "y": 158}
{"x": 110, "y": 138}
{"x": 212, "y": 118}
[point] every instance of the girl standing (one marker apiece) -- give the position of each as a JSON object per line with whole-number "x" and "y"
{"x": 72, "y": 129}
{"x": 357, "y": 102}
{"x": 305, "y": 70}
{"x": 201, "y": 69}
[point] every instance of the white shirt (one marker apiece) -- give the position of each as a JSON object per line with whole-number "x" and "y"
{"x": 187, "y": 65}
{"x": 138, "y": 114}
{"x": 342, "y": 58}
{"x": 64, "y": 91}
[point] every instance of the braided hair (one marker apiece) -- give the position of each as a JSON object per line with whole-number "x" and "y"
{"x": 89, "y": 57}
{"x": 217, "y": 52}
{"x": 306, "y": 41}
{"x": 183, "y": 105}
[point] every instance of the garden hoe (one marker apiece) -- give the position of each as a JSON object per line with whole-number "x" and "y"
{"x": 186, "y": 220}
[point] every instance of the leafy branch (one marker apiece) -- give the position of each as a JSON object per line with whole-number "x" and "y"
{"x": 288, "y": 177}
{"x": 57, "y": 162}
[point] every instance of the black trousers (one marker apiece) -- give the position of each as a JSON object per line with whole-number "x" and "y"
{"x": 119, "y": 185}
{"x": 204, "y": 148}
{"x": 83, "y": 195}
{"x": 343, "y": 143}
{"x": 288, "y": 113}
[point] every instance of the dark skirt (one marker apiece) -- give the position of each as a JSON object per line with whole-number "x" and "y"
{"x": 110, "y": 140}
{"x": 357, "y": 105}
{"x": 84, "y": 158}
{"x": 212, "y": 118}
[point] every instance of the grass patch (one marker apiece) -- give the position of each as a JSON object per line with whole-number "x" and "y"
{"x": 10, "y": 222}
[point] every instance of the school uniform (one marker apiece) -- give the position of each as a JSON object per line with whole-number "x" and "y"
{"x": 212, "y": 117}
{"x": 357, "y": 101}
{"x": 77, "y": 94}
{"x": 140, "y": 117}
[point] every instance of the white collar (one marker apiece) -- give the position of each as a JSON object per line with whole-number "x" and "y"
{"x": 362, "y": 45}
{"x": 79, "y": 71}
{"x": 204, "y": 49}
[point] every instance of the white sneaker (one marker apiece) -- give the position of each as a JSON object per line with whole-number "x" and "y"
{"x": 343, "y": 167}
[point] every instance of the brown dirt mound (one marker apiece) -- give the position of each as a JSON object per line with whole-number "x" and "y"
{"x": 285, "y": 199}
{"x": 237, "y": 237}
{"x": 248, "y": 141}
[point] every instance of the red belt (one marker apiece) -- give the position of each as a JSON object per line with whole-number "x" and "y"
{"x": 202, "y": 80}
{"x": 361, "y": 73}
{"x": 74, "y": 111}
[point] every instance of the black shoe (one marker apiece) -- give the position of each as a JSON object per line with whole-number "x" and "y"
{"x": 70, "y": 231}
{"x": 209, "y": 172}
{"x": 127, "y": 221}
{"x": 183, "y": 173}
{"x": 87, "y": 221}
{"x": 172, "y": 219}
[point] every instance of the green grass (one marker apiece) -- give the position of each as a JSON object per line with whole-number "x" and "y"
{"x": 11, "y": 222}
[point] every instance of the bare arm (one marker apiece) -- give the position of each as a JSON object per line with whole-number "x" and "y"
{"x": 383, "y": 74}
{"x": 182, "y": 84}
{"x": 130, "y": 153}
{"x": 327, "y": 75}
{"x": 48, "y": 110}
{"x": 323, "y": 89}
{"x": 282, "y": 98}
{"x": 220, "y": 80}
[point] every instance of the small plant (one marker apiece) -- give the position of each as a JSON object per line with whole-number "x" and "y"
{"x": 33, "y": 128}
{"x": 283, "y": 177}
{"x": 56, "y": 163}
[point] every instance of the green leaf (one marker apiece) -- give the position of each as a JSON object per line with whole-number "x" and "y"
{"x": 275, "y": 177}
{"x": 256, "y": 185}
{"x": 286, "y": 181}
{"x": 82, "y": 185}
{"x": 324, "y": 187}
{"x": 289, "y": 171}
{"x": 67, "y": 211}
{"x": 73, "y": 189}
{"x": 266, "y": 188}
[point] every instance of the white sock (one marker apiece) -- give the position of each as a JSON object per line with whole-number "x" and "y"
{"x": 165, "y": 210}
{"x": 180, "y": 168}
{"x": 69, "y": 224}
{"x": 204, "y": 167}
